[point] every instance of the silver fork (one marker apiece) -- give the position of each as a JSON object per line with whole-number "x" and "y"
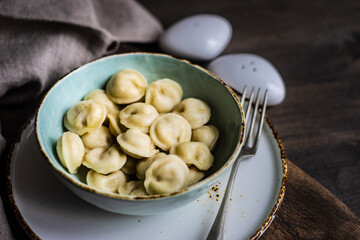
{"x": 251, "y": 143}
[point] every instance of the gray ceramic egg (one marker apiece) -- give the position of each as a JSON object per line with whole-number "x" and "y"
{"x": 243, "y": 69}
{"x": 198, "y": 37}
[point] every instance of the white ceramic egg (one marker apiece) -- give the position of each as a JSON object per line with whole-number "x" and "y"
{"x": 198, "y": 37}
{"x": 242, "y": 69}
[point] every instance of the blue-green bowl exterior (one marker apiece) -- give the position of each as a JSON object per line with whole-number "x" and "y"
{"x": 226, "y": 114}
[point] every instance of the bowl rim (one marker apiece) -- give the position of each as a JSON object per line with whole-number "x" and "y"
{"x": 87, "y": 188}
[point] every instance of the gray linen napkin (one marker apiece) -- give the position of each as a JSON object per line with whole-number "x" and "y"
{"x": 5, "y": 233}
{"x": 42, "y": 40}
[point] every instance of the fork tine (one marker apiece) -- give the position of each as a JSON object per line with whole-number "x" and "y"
{"x": 243, "y": 96}
{"x": 263, "y": 110}
{"x": 248, "y": 109}
{"x": 253, "y": 118}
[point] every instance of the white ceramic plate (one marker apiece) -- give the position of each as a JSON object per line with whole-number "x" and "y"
{"x": 48, "y": 210}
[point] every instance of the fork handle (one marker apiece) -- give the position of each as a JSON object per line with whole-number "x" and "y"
{"x": 217, "y": 230}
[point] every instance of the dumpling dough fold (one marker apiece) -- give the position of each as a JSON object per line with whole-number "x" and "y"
{"x": 101, "y": 137}
{"x": 70, "y": 150}
{"x": 104, "y": 160}
{"x": 207, "y": 134}
{"x": 107, "y": 183}
{"x": 136, "y": 144}
{"x": 169, "y": 129}
{"x": 134, "y": 188}
{"x": 168, "y": 174}
{"x": 84, "y": 117}
{"x": 163, "y": 94}
{"x": 194, "y": 153}
{"x": 196, "y": 111}
{"x": 126, "y": 86}
{"x": 138, "y": 115}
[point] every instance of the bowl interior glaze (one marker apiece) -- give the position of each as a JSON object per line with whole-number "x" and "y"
{"x": 226, "y": 113}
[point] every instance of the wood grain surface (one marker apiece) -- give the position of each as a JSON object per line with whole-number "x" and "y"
{"x": 315, "y": 45}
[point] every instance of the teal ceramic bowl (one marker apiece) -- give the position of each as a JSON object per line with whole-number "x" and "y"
{"x": 226, "y": 114}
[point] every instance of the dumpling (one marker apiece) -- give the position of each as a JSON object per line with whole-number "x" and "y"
{"x": 135, "y": 188}
{"x": 139, "y": 191}
{"x": 163, "y": 94}
{"x": 195, "y": 175}
{"x": 136, "y": 144}
{"x": 70, "y": 150}
{"x": 100, "y": 138}
{"x": 196, "y": 111}
{"x": 207, "y": 134}
{"x": 138, "y": 115}
{"x": 126, "y": 86}
{"x": 145, "y": 163}
{"x": 85, "y": 116}
{"x": 194, "y": 153}
{"x": 169, "y": 129}
{"x": 107, "y": 183}
{"x": 130, "y": 166}
{"x": 104, "y": 160}
{"x": 114, "y": 124}
{"x": 99, "y": 96}
{"x": 167, "y": 174}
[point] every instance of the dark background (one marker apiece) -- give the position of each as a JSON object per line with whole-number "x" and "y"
{"x": 315, "y": 45}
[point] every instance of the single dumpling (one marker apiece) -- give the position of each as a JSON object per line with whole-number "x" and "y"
{"x": 196, "y": 111}
{"x": 195, "y": 175}
{"x": 169, "y": 129}
{"x": 143, "y": 164}
{"x": 163, "y": 94}
{"x": 168, "y": 174}
{"x": 207, "y": 134}
{"x": 135, "y": 188}
{"x": 126, "y": 86}
{"x": 130, "y": 166}
{"x": 85, "y": 116}
{"x": 104, "y": 160}
{"x": 70, "y": 150}
{"x": 114, "y": 124}
{"x": 99, "y": 96}
{"x": 107, "y": 183}
{"x": 136, "y": 144}
{"x": 138, "y": 115}
{"x": 194, "y": 153}
{"x": 100, "y": 138}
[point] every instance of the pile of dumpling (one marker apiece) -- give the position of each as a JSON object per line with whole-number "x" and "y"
{"x": 138, "y": 139}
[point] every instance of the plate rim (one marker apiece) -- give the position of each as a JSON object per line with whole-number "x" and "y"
{"x": 8, "y": 183}
{"x": 32, "y": 235}
{"x": 281, "y": 193}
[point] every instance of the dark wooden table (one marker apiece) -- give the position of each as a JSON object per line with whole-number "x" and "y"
{"x": 316, "y": 48}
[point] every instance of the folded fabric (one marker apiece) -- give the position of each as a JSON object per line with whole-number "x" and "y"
{"x": 5, "y": 232}
{"x": 41, "y": 40}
